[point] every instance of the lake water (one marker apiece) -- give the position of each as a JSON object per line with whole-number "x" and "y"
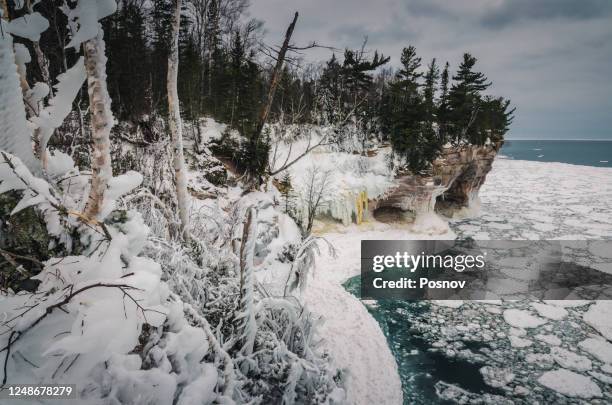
{"x": 586, "y": 153}
{"x": 419, "y": 367}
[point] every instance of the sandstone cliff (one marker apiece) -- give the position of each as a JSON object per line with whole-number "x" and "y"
{"x": 451, "y": 186}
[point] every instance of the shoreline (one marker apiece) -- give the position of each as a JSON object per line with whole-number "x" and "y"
{"x": 351, "y": 335}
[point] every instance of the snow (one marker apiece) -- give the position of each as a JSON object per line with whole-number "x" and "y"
{"x": 430, "y": 223}
{"x": 68, "y": 86}
{"x": 522, "y": 319}
{"x": 571, "y": 384}
{"x": 350, "y": 334}
{"x": 12, "y": 110}
{"x": 87, "y": 13}
{"x": 29, "y": 26}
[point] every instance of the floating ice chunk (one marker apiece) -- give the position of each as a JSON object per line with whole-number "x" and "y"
{"x": 569, "y": 383}
{"x": 549, "y": 311}
{"x": 549, "y": 339}
{"x": 522, "y": 319}
{"x": 606, "y": 379}
{"x": 519, "y": 342}
{"x": 598, "y": 316}
{"x": 543, "y": 360}
{"x": 496, "y": 377}
{"x": 571, "y": 360}
{"x": 448, "y": 303}
{"x": 598, "y": 348}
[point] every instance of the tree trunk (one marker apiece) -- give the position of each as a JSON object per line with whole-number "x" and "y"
{"x": 102, "y": 122}
{"x": 246, "y": 316}
{"x": 265, "y": 111}
{"x": 176, "y": 126}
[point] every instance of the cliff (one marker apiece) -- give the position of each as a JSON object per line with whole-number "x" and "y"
{"x": 451, "y": 186}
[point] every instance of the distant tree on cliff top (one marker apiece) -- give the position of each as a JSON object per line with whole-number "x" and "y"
{"x": 466, "y": 101}
{"x": 410, "y": 114}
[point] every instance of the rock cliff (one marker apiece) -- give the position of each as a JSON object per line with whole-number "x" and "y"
{"x": 451, "y": 186}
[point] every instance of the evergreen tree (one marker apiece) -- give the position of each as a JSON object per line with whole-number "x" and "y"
{"x": 465, "y": 101}
{"x": 431, "y": 82}
{"x": 407, "y": 112}
{"x": 496, "y": 118}
{"x": 161, "y": 23}
{"x": 189, "y": 84}
{"x": 443, "y": 106}
{"x": 287, "y": 194}
{"x": 128, "y": 67}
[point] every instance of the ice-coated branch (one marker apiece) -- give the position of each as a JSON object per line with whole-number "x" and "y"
{"x": 246, "y": 316}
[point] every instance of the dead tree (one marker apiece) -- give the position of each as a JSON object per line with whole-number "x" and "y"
{"x": 276, "y": 75}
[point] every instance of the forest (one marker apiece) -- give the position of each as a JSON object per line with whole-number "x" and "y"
{"x": 152, "y": 234}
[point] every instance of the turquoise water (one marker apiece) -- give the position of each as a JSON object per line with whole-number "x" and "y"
{"x": 587, "y": 153}
{"x": 419, "y": 368}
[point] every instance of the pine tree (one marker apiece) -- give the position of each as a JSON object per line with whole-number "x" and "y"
{"x": 161, "y": 22}
{"x": 128, "y": 64}
{"x": 465, "y": 101}
{"x": 288, "y": 196}
{"x": 443, "y": 106}
{"x": 407, "y": 112}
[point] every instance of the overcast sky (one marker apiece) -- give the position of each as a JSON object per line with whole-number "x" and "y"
{"x": 552, "y": 58}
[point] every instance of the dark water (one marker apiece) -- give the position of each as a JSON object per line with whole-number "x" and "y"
{"x": 420, "y": 368}
{"x": 587, "y": 153}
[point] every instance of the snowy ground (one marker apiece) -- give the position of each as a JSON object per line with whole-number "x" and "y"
{"x": 561, "y": 352}
{"x": 351, "y": 335}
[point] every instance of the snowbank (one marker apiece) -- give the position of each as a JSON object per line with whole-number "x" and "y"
{"x": 350, "y": 334}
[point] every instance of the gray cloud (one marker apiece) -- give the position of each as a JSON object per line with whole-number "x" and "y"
{"x": 551, "y": 61}
{"x": 510, "y": 11}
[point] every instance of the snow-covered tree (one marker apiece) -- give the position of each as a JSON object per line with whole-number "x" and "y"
{"x": 16, "y": 136}
{"x": 176, "y": 125}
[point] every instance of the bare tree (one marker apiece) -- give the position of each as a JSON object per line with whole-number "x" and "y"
{"x": 276, "y": 74}
{"x": 318, "y": 183}
{"x": 176, "y": 125}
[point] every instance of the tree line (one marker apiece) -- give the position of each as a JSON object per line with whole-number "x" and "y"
{"x": 225, "y": 72}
